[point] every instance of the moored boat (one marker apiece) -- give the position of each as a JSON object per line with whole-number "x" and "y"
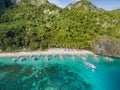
{"x": 90, "y": 65}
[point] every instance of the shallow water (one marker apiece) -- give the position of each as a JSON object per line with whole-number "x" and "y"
{"x": 60, "y": 73}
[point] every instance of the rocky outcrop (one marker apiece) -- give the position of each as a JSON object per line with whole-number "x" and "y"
{"x": 16, "y": 1}
{"x": 108, "y": 47}
{"x": 38, "y": 2}
{"x": 2, "y": 4}
{"x": 6, "y": 3}
{"x": 85, "y": 5}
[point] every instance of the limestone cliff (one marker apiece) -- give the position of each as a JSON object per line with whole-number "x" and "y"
{"x": 108, "y": 47}
{"x": 38, "y": 2}
{"x": 6, "y": 3}
{"x": 2, "y": 4}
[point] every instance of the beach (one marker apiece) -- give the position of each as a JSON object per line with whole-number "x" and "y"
{"x": 52, "y": 51}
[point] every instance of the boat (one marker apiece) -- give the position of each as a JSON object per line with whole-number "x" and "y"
{"x": 90, "y": 65}
{"x": 84, "y": 58}
{"x": 61, "y": 57}
{"x": 14, "y": 60}
{"x": 34, "y": 58}
{"x": 19, "y": 58}
{"x": 46, "y": 58}
{"x": 73, "y": 57}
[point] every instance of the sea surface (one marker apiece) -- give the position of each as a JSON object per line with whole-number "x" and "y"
{"x": 59, "y": 73}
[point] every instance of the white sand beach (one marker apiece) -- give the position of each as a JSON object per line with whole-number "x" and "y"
{"x": 52, "y": 51}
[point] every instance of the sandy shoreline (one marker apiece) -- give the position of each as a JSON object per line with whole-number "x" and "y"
{"x": 52, "y": 51}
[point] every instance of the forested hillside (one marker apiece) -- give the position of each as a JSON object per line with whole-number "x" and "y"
{"x": 79, "y": 25}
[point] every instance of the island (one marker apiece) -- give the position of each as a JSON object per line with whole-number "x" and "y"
{"x": 40, "y": 25}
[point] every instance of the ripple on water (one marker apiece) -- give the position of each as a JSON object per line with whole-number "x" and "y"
{"x": 58, "y": 74}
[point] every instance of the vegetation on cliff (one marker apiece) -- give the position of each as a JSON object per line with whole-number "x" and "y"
{"x": 79, "y": 25}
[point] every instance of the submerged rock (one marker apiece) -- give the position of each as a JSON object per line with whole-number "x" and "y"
{"x": 108, "y": 47}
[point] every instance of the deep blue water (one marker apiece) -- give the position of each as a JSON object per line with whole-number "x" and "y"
{"x": 59, "y": 73}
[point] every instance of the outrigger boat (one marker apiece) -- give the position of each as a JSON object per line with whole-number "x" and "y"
{"x": 90, "y": 65}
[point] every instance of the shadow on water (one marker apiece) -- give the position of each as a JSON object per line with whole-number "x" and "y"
{"x": 45, "y": 77}
{"x": 62, "y": 77}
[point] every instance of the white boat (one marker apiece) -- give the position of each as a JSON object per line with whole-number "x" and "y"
{"x": 34, "y": 58}
{"x": 19, "y": 58}
{"x": 14, "y": 60}
{"x": 84, "y": 58}
{"x": 61, "y": 57}
{"x": 90, "y": 65}
{"x": 46, "y": 58}
{"x": 73, "y": 57}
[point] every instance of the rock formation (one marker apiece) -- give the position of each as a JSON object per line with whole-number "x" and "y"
{"x": 108, "y": 47}
{"x": 6, "y": 3}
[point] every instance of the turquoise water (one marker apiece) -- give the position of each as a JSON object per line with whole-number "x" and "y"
{"x": 59, "y": 73}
